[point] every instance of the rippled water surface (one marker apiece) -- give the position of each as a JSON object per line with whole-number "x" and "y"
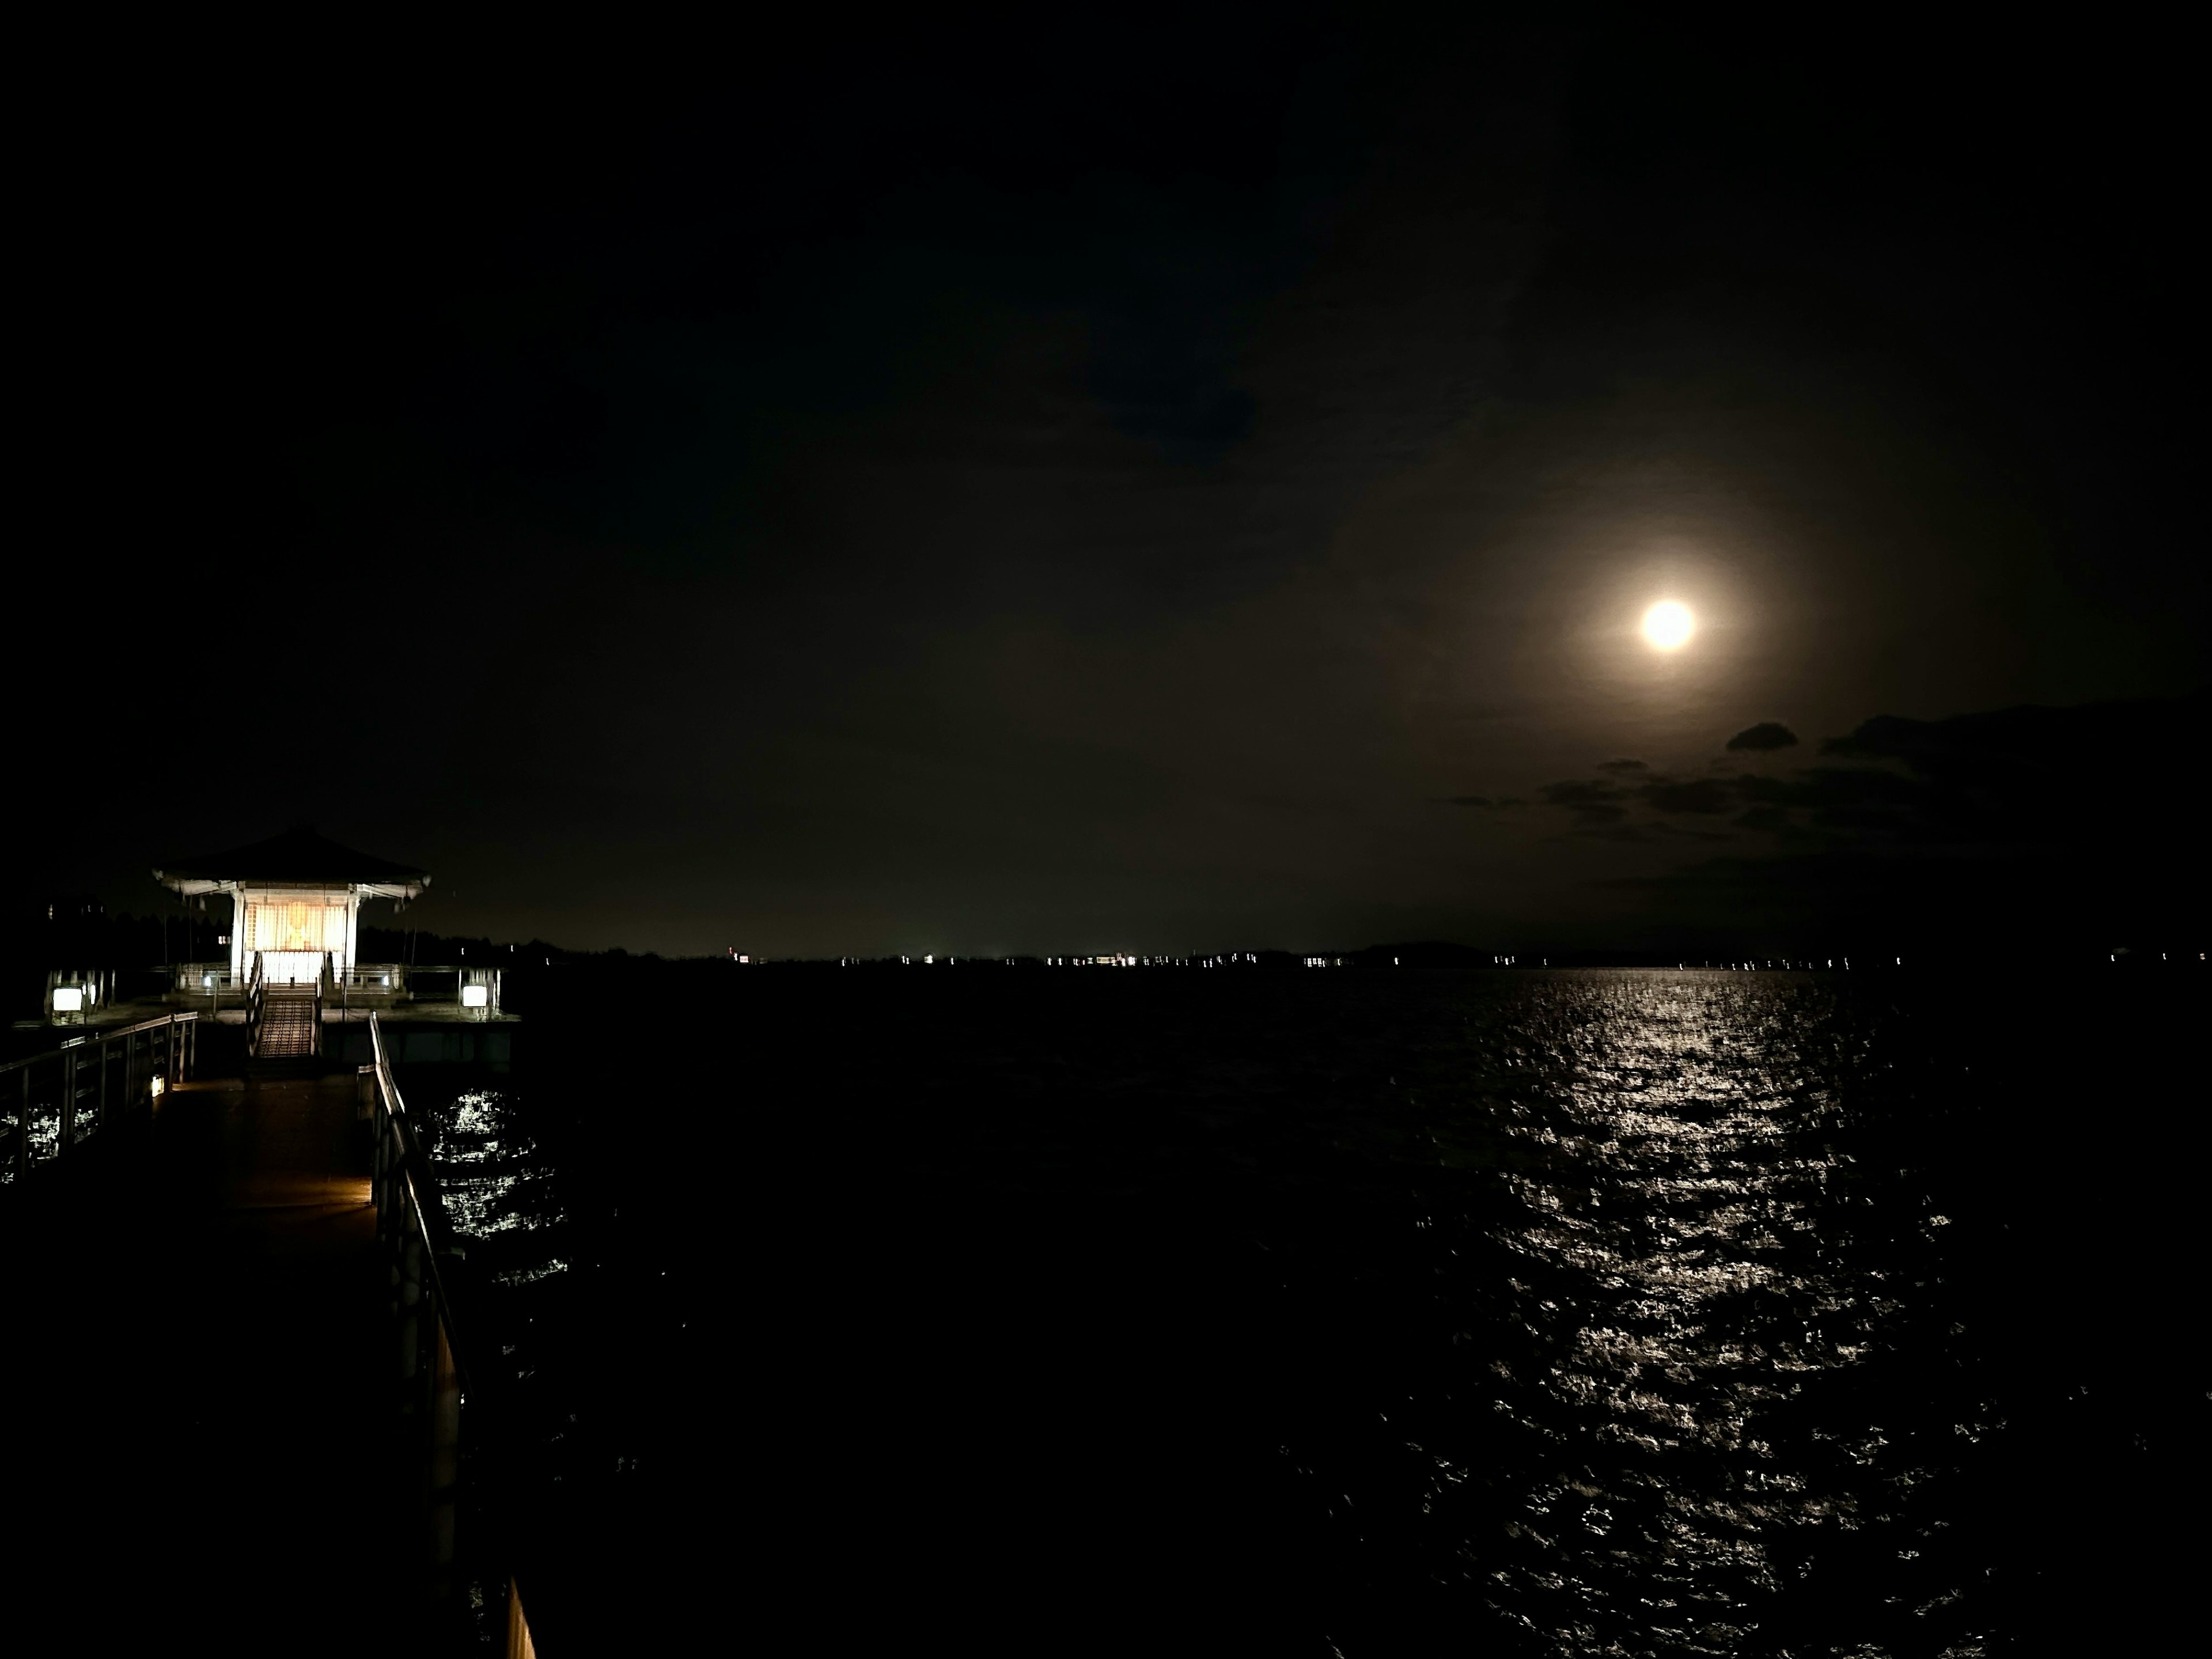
{"x": 1577, "y": 1313}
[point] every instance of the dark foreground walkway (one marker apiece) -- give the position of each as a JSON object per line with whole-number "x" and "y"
{"x": 196, "y": 1385}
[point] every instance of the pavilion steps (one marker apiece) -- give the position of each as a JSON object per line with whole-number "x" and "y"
{"x": 290, "y": 1040}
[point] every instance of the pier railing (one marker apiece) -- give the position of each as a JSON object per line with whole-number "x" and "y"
{"x": 52, "y": 1103}
{"x": 213, "y": 985}
{"x": 210, "y": 983}
{"x": 254, "y": 990}
{"x": 414, "y": 1238}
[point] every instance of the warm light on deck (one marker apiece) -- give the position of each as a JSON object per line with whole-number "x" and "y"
{"x": 69, "y": 999}
{"x": 476, "y": 996}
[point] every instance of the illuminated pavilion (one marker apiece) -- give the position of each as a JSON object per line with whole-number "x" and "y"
{"x": 295, "y": 898}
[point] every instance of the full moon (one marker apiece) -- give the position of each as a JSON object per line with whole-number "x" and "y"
{"x": 1668, "y": 625}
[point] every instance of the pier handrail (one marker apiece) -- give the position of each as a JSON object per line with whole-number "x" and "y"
{"x": 83, "y": 1038}
{"x": 254, "y": 998}
{"x": 83, "y": 1063}
{"x": 415, "y": 1234}
{"x": 387, "y": 976}
{"x": 400, "y": 1156}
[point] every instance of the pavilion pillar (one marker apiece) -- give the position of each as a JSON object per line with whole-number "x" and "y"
{"x": 238, "y": 913}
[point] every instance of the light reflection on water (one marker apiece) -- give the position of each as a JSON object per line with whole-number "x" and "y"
{"x": 498, "y": 1189}
{"x": 1579, "y": 1313}
{"x": 1681, "y": 1421}
{"x": 490, "y": 1173}
{"x": 1684, "y": 1109}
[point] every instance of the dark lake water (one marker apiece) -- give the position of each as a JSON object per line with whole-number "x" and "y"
{"x": 1548, "y": 1313}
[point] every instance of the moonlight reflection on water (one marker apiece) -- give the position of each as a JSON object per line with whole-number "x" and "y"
{"x": 1694, "y": 1310}
{"x": 1621, "y": 1313}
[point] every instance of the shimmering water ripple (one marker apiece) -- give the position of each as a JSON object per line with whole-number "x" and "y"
{"x": 1580, "y": 1313}
{"x": 1694, "y": 1307}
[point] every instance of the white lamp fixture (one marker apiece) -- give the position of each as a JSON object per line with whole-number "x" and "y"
{"x": 69, "y": 999}
{"x": 476, "y": 996}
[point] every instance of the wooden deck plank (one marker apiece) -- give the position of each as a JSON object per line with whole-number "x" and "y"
{"x": 200, "y": 1384}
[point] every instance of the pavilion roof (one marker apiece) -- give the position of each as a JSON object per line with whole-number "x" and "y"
{"x": 300, "y": 854}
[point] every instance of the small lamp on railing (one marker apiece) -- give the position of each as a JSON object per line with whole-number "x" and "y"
{"x": 477, "y": 997}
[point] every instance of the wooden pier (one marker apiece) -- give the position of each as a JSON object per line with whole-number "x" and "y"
{"x": 235, "y": 1385}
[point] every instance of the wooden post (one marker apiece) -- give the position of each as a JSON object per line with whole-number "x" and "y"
{"x": 23, "y": 1127}
{"x": 68, "y": 1113}
{"x": 103, "y": 1085}
{"x": 411, "y": 1323}
{"x": 445, "y": 1454}
{"x": 380, "y": 1178}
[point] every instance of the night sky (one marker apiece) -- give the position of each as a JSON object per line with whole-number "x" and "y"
{"x": 1127, "y": 479}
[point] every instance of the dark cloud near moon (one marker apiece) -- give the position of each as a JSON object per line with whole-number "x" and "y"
{"x": 1766, "y": 736}
{"x": 2058, "y": 824}
{"x": 1699, "y": 795}
{"x": 1594, "y": 802}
